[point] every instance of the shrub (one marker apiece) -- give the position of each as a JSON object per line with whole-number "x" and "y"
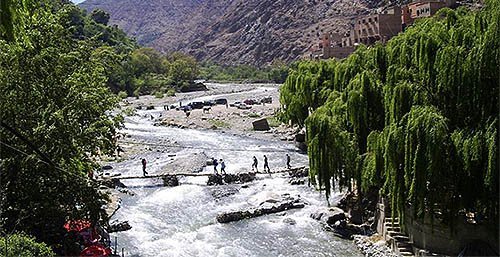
{"x": 22, "y": 245}
{"x": 171, "y": 92}
{"x": 122, "y": 94}
{"x": 159, "y": 94}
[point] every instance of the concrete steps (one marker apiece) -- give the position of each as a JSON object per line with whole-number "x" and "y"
{"x": 399, "y": 242}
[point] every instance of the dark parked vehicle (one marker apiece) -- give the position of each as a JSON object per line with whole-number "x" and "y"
{"x": 267, "y": 100}
{"x": 221, "y": 101}
{"x": 196, "y": 105}
{"x": 184, "y": 108}
{"x": 209, "y": 103}
{"x": 250, "y": 102}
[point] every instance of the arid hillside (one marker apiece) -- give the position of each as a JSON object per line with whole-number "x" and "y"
{"x": 253, "y": 32}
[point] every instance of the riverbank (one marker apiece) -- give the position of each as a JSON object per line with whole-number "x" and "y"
{"x": 227, "y": 118}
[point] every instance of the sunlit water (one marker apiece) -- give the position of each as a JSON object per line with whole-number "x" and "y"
{"x": 180, "y": 221}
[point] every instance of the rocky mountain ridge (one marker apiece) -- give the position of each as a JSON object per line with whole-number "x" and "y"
{"x": 255, "y": 32}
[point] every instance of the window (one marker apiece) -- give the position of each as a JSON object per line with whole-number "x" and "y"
{"x": 370, "y": 20}
{"x": 375, "y": 19}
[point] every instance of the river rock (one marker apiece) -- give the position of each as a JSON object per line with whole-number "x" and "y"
{"x": 347, "y": 230}
{"x": 297, "y": 181}
{"x": 289, "y": 221}
{"x": 170, "y": 181}
{"x": 112, "y": 183}
{"x": 107, "y": 167}
{"x": 373, "y": 246}
{"x": 217, "y": 179}
{"x": 335, "y": 216}
{"x": 299, "y": 172}
{"x": 329, "y": 215}
{"x": 267, "y": 207}
{"x": 117, "y": 226}
{"x": 224, "y": 191}
{"x": 246, "y": 177}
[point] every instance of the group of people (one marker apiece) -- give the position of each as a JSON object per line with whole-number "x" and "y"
{"x": 216, "y": 163}
{"x": 266, "y": 164}
{"x": 222, "y": 164}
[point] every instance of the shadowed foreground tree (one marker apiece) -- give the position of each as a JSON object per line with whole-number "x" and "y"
{"x": 54, "y": 100}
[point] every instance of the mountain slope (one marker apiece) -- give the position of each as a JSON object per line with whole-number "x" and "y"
{"x": 233, "y": 31}
{"x": 164, "y": 24}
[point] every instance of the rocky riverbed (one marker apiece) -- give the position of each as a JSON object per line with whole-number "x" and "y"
{"x": 183, "y": 220}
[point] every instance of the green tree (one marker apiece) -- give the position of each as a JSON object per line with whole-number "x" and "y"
{"x": 55, "y": 110}
{"x": 22, "y": 245}
{"x": 415, "y": 120}
{"x": 100, "y": 16}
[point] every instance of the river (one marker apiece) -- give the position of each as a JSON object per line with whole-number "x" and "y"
{"x": 180, "y": 221}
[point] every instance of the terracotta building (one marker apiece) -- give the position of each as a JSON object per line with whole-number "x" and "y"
{"x": 377, "y": 27}
{"x": 329, "y": 46}
{"x": 422, "y": 9}
{"x": 373, "y": 28}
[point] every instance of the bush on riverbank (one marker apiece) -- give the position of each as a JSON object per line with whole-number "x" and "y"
{"x": 415, "y": 120}
{"x": 22, "y": 245}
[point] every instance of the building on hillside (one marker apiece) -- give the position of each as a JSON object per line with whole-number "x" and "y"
{"x": 379, "y": 27}
{"x": 376, "y": 27}
{"x": 329, "y": 46}
{"x": 422, "y": 9}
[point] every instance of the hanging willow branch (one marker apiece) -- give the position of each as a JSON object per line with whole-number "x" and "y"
{"x": 416, "y": 119}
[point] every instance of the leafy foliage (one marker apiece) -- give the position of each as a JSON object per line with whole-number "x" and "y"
{"x": 416, "y": 119}
{"x": 22, "y": 245}
{"x": 55, "y": 113}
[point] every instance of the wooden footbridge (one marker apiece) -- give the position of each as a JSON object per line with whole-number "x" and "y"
{"x": 204, "y": 174}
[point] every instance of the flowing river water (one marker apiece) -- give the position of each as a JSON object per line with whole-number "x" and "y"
{"x": 180, "y": 221}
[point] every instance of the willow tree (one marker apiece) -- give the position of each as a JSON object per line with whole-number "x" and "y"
{"x": 420, "y": 115}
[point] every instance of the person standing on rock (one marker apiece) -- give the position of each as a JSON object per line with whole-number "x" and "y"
{"x": 288, "y": 166}
{"x": 222, "y": 166}
{"x": 144, "y": 172}
{"x": 214, "y": 162}
{"x": 254, "y": 165}
{"x": 266, "y": 164}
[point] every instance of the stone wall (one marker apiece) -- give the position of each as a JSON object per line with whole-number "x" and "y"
{"x": 440, "y": 238}
{"x": 446, "y": 240}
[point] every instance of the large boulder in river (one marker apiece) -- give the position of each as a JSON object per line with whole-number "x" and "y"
{"x": 217, "y": 179}
{"x": 298, "y": 172}
{"x": 261, "y": 125}
{"x": 329, "y": 215}
{"x": 269, "y": 206}
{"x": 297, "y": 181}
{"x": 118, "y": 226}
{"x": 170, "y": 181}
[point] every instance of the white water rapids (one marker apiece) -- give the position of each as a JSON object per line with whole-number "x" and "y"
{"x": 180, "y": 221}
